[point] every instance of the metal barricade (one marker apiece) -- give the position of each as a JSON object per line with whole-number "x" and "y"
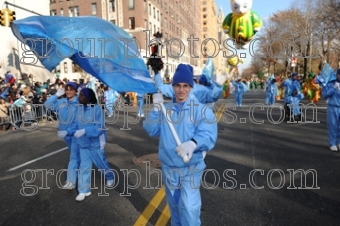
{"x": 22, "y": 117}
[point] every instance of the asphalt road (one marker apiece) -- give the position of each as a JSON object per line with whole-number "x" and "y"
{"x": 252, "y": 175}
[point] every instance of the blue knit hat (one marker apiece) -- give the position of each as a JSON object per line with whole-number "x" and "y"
{"x": 294, "y": 74}
{"x": 183, "y": 74}
{"x": 73, "y": 85}
{"x": 338, "y": 71}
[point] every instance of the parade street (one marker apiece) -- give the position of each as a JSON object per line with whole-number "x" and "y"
{"x": 262, "y": 171}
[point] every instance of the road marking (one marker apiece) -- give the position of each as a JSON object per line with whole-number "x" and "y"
{"x": 150, "y": 209}
{"x": 37, "y": 159}
{"x": 164, "y": 218}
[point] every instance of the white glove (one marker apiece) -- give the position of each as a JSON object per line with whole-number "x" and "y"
{"x": 62, "y": 134}
{"x": 186, "y": 149}
{"x": 79, "y": 133}
{"x": 157, "y": 99}
{"x": 336, "y": 85}
{"x": 220, "y": 80}
{"x": 60, "y": 92}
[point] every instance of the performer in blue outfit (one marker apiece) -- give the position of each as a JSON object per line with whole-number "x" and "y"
{"x": 289, "y": 85}
{"x": 271, "y": 92}
{"x": 66, "y": 109}
{"x": 268, "y": 81}
{"x": 240, "y": 89}
{"x": 197, "y": 132}
{"x": 332, "y": 92}
{"x": 91, "y": 137}
{"x": 293, "y": 102}
{"x": 140, "y": 102}
{"x": 205, "y": 94}
{"x": 110, "y": 96}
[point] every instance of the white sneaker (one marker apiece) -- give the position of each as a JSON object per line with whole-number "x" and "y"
{"x": 82, "y": 196}
{"x": 109, "y": 183}
{"x": 334, "y": 148}
{"x": 68, "y": 185}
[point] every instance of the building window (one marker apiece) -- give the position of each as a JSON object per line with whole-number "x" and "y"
{"x": 94, "y": 8}
{"x": 157, "y": 15}
{"x": 150, "y": 27}
{"x": 150, "y": 9}
{"x": 145, "y": 24}
{"x": 113, "y": 22}
{"x": 154, "y": 12}
{"x": 165, "y": 22}
{"x": 204, "y": 9}
{"x": 61, "y": 12}
{"x": 60, "y": 0}
{"x": 145, "y": 6}
{"x": 112, "y": 6}
{"x": 205, "y": 16}
{"x": 131, "y": 4}
{"x": 70, "y": 12}
{"x": 52, "y": 1}
{"x": 76, "y": 11}
{"x": 131, "y": 23}
{"x": 154, "y": 28}
{"x": 53, "y": 12}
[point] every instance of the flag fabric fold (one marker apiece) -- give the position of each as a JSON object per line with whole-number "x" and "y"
{"x": 327, "y": 75}
{"x": 208, "y": 70}
{"x": 100, "y": 48}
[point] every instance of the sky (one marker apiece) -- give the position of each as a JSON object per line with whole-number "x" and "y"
{"x": 264, "y": 8}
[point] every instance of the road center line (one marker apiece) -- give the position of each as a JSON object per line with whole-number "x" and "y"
{"x": 37, "y": 159}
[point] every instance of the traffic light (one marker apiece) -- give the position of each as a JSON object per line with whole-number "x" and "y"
{"x": 3, "y": 15}
{"x": 11, "y": 16}
{"x": 6, "y": 17}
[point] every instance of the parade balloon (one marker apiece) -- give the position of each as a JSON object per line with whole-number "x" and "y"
{"x": 242, "y": 23}
{"x": 235, "y": 61}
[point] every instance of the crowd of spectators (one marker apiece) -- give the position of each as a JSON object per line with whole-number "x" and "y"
{"x": 19, "y": 93}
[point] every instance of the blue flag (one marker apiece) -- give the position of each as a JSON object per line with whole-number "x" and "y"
{"x": 100, "y": 48}
{"x": 327, "y": 75}
{"x": 208, "y": 70}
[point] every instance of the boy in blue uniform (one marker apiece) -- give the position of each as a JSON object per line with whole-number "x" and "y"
{"x": 197, "y": 130}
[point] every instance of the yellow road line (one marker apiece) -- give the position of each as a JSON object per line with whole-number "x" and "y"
{"x": 165, "y": 216}
{"x": 150, "y": 209}
{"x": 219, "y": 112}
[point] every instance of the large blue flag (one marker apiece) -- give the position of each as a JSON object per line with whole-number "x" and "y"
{"x": 208, "y": 70}
{"x": 327, "y": 75}
{"x": 100, "y": 48}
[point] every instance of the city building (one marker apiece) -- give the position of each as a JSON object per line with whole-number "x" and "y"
{"x": 177, "y": 20}
{"x": 14, "y": 56}
{"x": 212, "y": 35}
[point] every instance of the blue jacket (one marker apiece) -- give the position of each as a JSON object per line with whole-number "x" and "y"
{"x": 290, "y": 85}
{"x": 272, "y": 88}
{"x": 204, "y": 131}
{"x": 90, "y": 118}
{"x": 66, "y": 111}
{"x": 110, "y": 96}
{"x": 332, "y": 94}
{"x": 239, "y": 87}
{"x": 204, "y": 94}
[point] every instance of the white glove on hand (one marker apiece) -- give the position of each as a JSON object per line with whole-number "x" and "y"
{"x": 337, "y": 86}
{"x": 186, "y": 149}
{"x": 60, "y": 92}
{"x": 157, "y": 99}
{"x": 79, "y": 133}
{"x": 220, "y": 80}
{"x": 62, "y": 134}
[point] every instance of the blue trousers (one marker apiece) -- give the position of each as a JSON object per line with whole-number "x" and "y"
{"x": 271, "y": 98}
{"x": 73, "y": 164}
{"x": 238, "y": 99}
{"x": 182, "y": 193}
{"x": 109, "y": 107}
{"x": 333, "y": 116}
{"x": 140, "y": 102}
{"x": 87, "y": 157}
